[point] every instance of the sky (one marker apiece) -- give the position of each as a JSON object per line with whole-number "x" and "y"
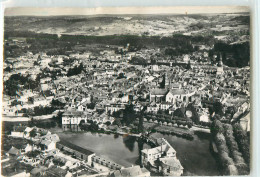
{"x": 43, "y": 11}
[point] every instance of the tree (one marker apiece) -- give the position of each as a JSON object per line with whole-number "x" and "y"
{"x": 16, "y": 102}
{"x": 218, "y": 57}
{"x": 138, "y": 61}
{"x": 82, "y": 122}
{"x": 57, "y": 104}
{"x": 179, "y": 113}
{"x": 195, "y": 116}
{"x": 76, "y": 70}
{"x": 121, "y": 75}
{"x": 33, "y": 133}
{"x": 108, "y": 123}
{"x": 217, "y": 127}
{"x": 242, "y": 141}
{"x": 7, "y": 69}
{"x": 188, "y": 65}
{"x": 31, "y": 100}
{"x": 218, "y": 108}
{"x": 189, "y": 124}
{"x": 129, "y": 114}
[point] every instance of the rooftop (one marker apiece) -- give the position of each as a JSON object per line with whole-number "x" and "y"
{"x": 75, "y": 147}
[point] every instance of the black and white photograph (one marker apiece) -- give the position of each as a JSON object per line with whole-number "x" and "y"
{"x": 131, "y": 92}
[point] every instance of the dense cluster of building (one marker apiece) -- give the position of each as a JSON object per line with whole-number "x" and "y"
{"x": 106, "y": 82}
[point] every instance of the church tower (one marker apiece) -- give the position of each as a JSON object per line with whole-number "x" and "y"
{"x": 220, "y": 69}
{"x": 166, "y": 80}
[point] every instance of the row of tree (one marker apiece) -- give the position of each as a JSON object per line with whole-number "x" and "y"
{"x": 226, "y": 161}
{"x": 229, "y": 155}
{"x": 235, "y": 154}
{"x": 243, "y": 141}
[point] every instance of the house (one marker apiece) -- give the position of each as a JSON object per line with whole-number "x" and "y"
{"x": 170, "y": 166}
{"x": 150, "y": 155}
{"x": 13, "y": 151}
{"x": 158, "y": 95}
{"x": 165, "y": 106}
{"x": 10, "y": 111}
{"x": 47, "y": 145}
{"x": 42, "y": 132}
{"x": 114, "y": 107}
{"x": 27, "y": 132}
{"x": 121, "y": 98}
{"x": 245, "y": 122}
{"x": 173, "y": 95}
{"x": 166, "y": 154}
{"x": 203, "y": 117}
{"x": 51, "y": 137}
{"x": 72, "y": 117}
{"x": 28, "y": 148}
{"x": 135, "y": 171}
{"x": 40, "y": 100}
{"x": 79, "y": 152}
{"x": 18, "y": 132}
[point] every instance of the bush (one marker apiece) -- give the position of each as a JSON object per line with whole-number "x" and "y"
{"x": 220, "y": 139}
{"x": 233, "y": 148}
{"x": 217, "y": 127}
{"x": 242, "y": 141}
{"x": 225, "y": 159}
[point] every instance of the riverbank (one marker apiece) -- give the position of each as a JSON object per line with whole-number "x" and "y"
{"x": 124, "y": 149}
{"x": 177, "y": 131}
{"x": 26, "y": 119}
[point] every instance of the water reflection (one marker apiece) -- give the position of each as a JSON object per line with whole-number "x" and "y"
{"x": 129, "y": 142}
{"x": 140, "y": 148}
{"x": 195, "y": 155}
{"x": 72, "y": 128}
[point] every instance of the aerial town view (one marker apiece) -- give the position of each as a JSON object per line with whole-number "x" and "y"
{"x": 126, "y": 95}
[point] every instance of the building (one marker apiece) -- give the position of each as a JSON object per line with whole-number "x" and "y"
{"x": 47, "y": 145}
{"x": 79, "y": 152}
{"x": 13, "y": 151}
{"x": 114, "y": 107}
{"x": 245, "y": 122}
{"x": 166, "y": 155}
{"x": 170, "y": 95}
{"x": 173, "y": 95}
{"x": 150, "y": 155}
{"x": 135, "y": 171}
{"x": 158, "y": 95}
{"x": 220, "y": 69}
{"x": 18, "y": 132}
{"x": 170, "y": 166}
{"x": 73, "y": 117}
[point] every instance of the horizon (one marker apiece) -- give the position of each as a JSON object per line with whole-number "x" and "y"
{"x": 174, "y": 10}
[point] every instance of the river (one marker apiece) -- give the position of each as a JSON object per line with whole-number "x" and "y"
{"x": 194, "y": 155}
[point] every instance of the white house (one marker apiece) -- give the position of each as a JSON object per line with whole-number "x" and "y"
{"x": 48, "y": 145}
{"x": 73, "y": 117}
{"x": 28, "y": 148}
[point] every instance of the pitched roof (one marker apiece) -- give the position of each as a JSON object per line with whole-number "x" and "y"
{"x": 75, "y": 147}
{"x": 20, "y": 129}
{"x": 13, "y": 151}
{"x": 158, "y": 91}
{"x": 46, "y": 142}
{"x": 132, "y": 171}
{"x": 52, "y": 137}
{"x": 177, "y": 91}
{"x": 172, "y": 162}
{"x": 72, "y": 113}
